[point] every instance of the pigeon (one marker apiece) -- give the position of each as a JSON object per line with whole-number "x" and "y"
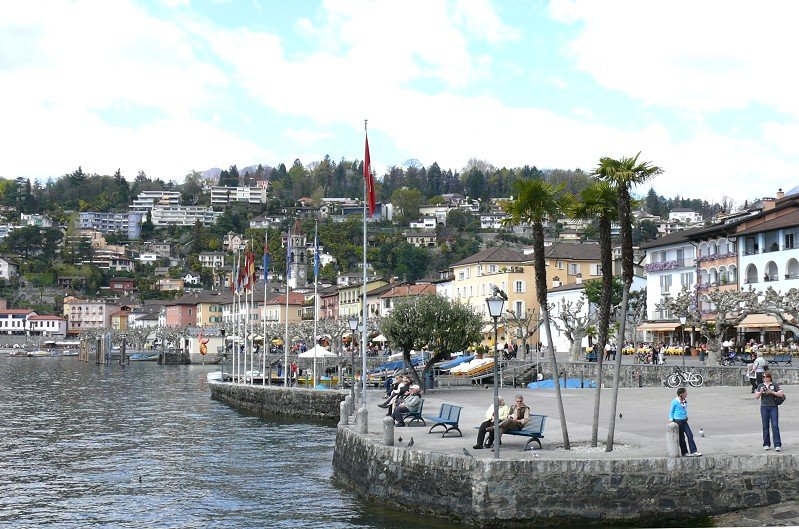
{"x": 536, "y": 455}
{"x": 399, "y": 440}
{"x": 467, "y": 453}
{"x": 620, "y": 415}
{"x": 701, "y": 432}
{"x": 410, "y": 443}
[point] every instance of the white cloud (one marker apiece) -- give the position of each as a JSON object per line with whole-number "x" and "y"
{"x": 701, "y": 56}
{"x": 307, "y": 135}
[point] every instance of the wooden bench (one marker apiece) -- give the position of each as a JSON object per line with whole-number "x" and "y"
{"x": 416, "y": 416}
{"x": 786, "y": 358}
{"x": 448, "y": 417}
{"x": 534, "y": 429}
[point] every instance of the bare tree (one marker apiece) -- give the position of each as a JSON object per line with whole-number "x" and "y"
{"x": 575, "y": 324}
{"x": 525, "y": 325}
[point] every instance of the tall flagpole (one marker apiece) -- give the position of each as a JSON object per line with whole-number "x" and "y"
{"x": 249, "y": 326}
{"x": 315, "y": 295}
{"x": 263, "y": 325}
{"x": 367, "y": 168}
{"x": 288, "y": 289}
{"x": 236, "y": 317}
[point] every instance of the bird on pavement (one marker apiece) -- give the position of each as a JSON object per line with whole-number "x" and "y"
{"x": 619, "y": 415}
{"x": 410, "y": 443}
{"x": 467, "y": 453}
{"x": 399, "y": 440}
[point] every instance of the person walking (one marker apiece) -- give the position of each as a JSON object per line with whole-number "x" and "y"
{"x": 768, "y": 392}
{"x": 759, "y": 365}
{"x": 679, "y": 413}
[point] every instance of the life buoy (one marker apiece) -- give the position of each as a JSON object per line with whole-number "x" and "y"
{"x": 203, "y": 344}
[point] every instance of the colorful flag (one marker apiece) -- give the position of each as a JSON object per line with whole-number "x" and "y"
{"x": 370, "y": 181}
{"x": 266, "y": 256}
{"x": 250, "y": 270}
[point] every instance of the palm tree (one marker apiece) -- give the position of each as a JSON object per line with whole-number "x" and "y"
{"x": 536, "y": 202}
{"x": 623, "y": 174}
{"x": 599, "y": 200}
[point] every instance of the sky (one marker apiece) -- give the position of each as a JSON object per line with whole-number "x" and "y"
{"x": 705, "y": 90}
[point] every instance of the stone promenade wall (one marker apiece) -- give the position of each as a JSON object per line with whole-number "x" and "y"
{"x": 295, "y": 403}
{"x": 541, "y": 492}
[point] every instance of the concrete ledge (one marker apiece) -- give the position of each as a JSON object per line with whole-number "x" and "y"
{"x": 511, "y": 493}
{"x": 295, "y": 403}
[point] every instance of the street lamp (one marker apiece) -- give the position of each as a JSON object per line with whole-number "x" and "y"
{"x": 353, "y": 324}
{"x": 682, "y": 324}
{"x": 495, "y": 304}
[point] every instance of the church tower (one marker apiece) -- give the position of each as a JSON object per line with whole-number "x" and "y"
{"x": 297, "y": 257}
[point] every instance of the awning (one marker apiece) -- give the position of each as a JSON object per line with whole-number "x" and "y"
{"x": 490, "y": 327}
{"x": 667, "y": 326}
{"x": 760, "y": 321}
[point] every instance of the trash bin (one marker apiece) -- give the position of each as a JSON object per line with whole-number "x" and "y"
{"x": 429, "y": 381}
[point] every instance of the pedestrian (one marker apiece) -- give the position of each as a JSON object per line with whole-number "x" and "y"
{"x": 613, "y": 350}
{"x": 702, "y": 353}
{"x": 679, "y": 413}
{"x": 607, "y": 350}
{"x": 759, "y": 366}
{"x": 750, "y": 373}
{"x": 768, "y": 392}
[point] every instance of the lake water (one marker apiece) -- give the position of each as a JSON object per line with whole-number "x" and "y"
{"x": 144, "y": 445}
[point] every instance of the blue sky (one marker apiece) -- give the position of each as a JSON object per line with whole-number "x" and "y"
{"x": 705, "y": 90}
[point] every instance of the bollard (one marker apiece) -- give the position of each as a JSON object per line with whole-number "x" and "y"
{"x": 388, "y": 431}
{"x": 361, "y": 418}
{"x": 343, "y": 416}
{"x": 348, "y": 401}
{"x": 673, "y": 440}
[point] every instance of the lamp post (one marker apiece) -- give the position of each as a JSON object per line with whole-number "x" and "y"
{"x": 682, "y": 324}
{"x": 495, "y": 304}
{"x": 353, "y": 324}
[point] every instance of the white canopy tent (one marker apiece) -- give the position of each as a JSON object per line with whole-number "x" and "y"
{"x": 318, "y": 351}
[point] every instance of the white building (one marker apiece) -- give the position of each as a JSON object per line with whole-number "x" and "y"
{"x": 184, "y": 215}
{"x": 684, "y": 215}
{"x": 128, "y": 224}
{"x": 425, "y": 223}
{"x": 670, "y": 267}
{"x": 33, "y": 219}
{"x": 221, "y": 195}
{"x": 147, "y": 200}
{"x": 493, "y": 221}
{"x": 8, "y": 268}
{"x": 768, "y": 254}
{"x": 147, "y": 258}
{"x": 47, "y": 325}
{"x": 212, "y": 259}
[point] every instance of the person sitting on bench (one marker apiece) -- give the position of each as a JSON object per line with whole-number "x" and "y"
{"x": 403, "y": 383}
{"x": 518, "y": 417}
{"x": 410, "y": 403}
{"x": 488, "y": 424}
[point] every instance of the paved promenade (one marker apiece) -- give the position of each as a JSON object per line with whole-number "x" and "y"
{"x": 730, "y": 418}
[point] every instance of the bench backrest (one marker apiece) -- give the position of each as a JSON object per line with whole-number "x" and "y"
{"x": 450, "y": 412}
{"x": 536, "y": 424}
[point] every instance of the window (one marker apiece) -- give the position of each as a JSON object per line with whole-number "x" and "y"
{"x": 596, "y": 269}
{"x": 680, "y": 256}
{"x": 460, "y": 276}
{"x": 189, "y": 312}
{"x": 492, "y": 268}
{"x": 559, "y": 265}
{"x": 687, "y": 279}
{"x": 518, "y": 287}
{"x": 471, "y": 291}
{"x": 519, "y": 309}
{"x": 789, "y": 240}
{"x": 665, "y": 284}
{"x": 574, "y": 269}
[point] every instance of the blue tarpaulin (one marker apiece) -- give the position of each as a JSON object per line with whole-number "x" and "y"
{"x": 449, "y": 364}
{"x": 393, "y": 366}
{"x": 570, "y": 383}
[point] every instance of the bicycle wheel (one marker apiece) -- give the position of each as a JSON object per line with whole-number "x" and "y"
{"x": 673, "y": 380}
{"x": 696, "y": 380}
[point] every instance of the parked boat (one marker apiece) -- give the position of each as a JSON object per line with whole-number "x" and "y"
{"x": 38, "y": 353}
{"x": 144, "y": 357}
{"x": 218, "y": 376}
{"x": 69, "y": 352}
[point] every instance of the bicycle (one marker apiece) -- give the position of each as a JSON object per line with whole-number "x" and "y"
{"x": 680, "y": 378}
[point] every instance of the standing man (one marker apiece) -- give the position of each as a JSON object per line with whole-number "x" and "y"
{"x": 768, "y": 392}
{"x": 488, "y": 424}
{"x": 759, "y": 365}
{"x": 679, "y": 413}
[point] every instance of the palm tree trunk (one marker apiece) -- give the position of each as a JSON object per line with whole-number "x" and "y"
{"x": 604, "y": 317}
{"x": 617, "y": 367}
{"x": 541, "y": 293}
{"x": 556, "y": 378}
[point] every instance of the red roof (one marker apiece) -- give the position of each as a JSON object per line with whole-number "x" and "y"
{"x": 47, "y": 317}
{"x": 16, "y": 311}
{"x": 294, "y": 299}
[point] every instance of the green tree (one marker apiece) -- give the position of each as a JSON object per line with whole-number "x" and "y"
{"x": 407, "y": 201}
{"x": 623, "y": 174}
{"x": 535, "y": 202}
{"x": 443, "y": 325}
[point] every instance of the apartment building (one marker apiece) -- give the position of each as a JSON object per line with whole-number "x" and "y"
{"x": 223, "y": 195}
{"x": 126, "y": 224}
{"x": 184, "y": 215}
{"x": 147, "y": 200}
{"x": 84, "y": 314}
